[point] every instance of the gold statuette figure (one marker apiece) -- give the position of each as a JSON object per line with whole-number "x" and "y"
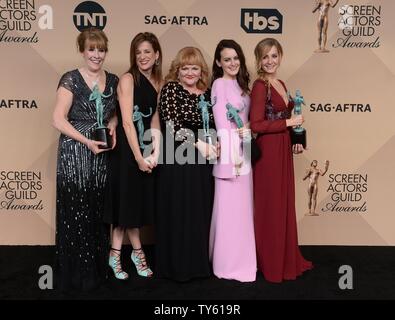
{"x": 322, "y": 24}
{"x": 314, "y": 173}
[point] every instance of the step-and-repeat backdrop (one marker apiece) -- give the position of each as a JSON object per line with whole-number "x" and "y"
{"x": 340, "y": 56}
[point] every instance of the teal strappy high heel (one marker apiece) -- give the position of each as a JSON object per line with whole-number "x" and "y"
{"x": 115, "y": 263}
{"x": 138, "y": 258}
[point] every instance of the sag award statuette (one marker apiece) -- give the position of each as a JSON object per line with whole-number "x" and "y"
{"x": 323, "y": 7}
{"x": 203, "y": 106}
{"x": 101, "y": 133}
{"x": 138, "y": 118}
{"x": 298, "y": 135}
{"x": 313, "y": 173}
{"x": 232, "y": 114}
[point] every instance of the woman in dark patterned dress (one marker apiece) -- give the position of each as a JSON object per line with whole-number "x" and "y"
{"x": 185, "y": 182}
{"x": 81, "y": 236}
{"x": 131, "y": 197}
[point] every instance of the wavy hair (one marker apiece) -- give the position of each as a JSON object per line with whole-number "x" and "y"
{"x": 261, "y": 49}
{"x": 157, "y": 67}
{"x": 189, "y": 56}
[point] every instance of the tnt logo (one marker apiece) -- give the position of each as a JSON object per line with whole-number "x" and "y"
{"x": 89, "y": 14}
{"x": 261, "y": 21}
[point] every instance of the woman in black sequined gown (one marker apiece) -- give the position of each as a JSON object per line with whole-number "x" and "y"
{"x": 82, "y": 239}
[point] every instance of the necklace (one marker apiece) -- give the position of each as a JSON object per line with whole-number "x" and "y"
{"x": 194, "y": 91}
{"x": 94, "y": 80}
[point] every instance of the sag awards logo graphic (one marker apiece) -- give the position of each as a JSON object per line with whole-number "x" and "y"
{"x": 340, "y": 107}
{"x": 261, "y": 21}
{"x": 20, "y": 21}
{"x": 346, "y": 191}
{"x": 359, "y": 22}
{"x": 19, "y": 190}
{"x": 176, "y": 20}
{"x": 89, "y": 14}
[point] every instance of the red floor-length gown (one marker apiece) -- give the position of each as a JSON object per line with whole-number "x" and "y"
{"x": 278, "y": 254}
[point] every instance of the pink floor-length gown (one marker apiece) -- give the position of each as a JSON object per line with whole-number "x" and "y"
{"x": 232, "y": 240}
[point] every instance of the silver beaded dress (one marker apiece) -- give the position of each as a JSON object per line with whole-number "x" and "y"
{"x": 82, "y": 239}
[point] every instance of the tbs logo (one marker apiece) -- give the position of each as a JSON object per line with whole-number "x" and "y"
{"x": 261, "y": 21}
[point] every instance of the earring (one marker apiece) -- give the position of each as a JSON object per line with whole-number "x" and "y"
{"x": 157, "y": 62}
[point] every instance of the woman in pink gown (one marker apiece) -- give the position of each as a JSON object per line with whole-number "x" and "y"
{"x": 232, "y": 242}
{"x": 278, "y": 254}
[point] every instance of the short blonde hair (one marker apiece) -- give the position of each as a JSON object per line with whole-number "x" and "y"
{"x": 189, "y": 56}
{"x": 94, "y": 38}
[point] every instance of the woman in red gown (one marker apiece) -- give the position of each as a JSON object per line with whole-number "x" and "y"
{"x": 278, "y": 254}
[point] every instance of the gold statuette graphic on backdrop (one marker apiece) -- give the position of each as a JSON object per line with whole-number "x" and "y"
{"x": 313, "y": 173}
{"x": 323, "y": 7}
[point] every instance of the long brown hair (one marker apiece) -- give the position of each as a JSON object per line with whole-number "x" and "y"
{"x": 157, "y": 67}
{"x": 243, "y": 77}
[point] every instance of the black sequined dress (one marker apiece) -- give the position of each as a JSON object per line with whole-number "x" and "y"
{"x": 82, "y": 239}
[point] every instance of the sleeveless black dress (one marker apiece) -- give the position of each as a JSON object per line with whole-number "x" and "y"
{"x": 82, "y": 239}
{"x": 130, "y": 199}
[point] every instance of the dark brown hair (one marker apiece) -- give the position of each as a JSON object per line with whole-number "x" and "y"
{"x": 243, "y": 77}
{"x": 157, "y": 67}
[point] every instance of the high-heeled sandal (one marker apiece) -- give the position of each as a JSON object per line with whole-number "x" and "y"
{"x": 138, "y": 258}
{"x": 115, "y": 264}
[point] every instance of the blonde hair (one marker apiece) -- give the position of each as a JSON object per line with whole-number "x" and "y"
{"x": 94, "y": 38}
{"x": 261, "y": 49}
{"x": 189, "y": 56}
